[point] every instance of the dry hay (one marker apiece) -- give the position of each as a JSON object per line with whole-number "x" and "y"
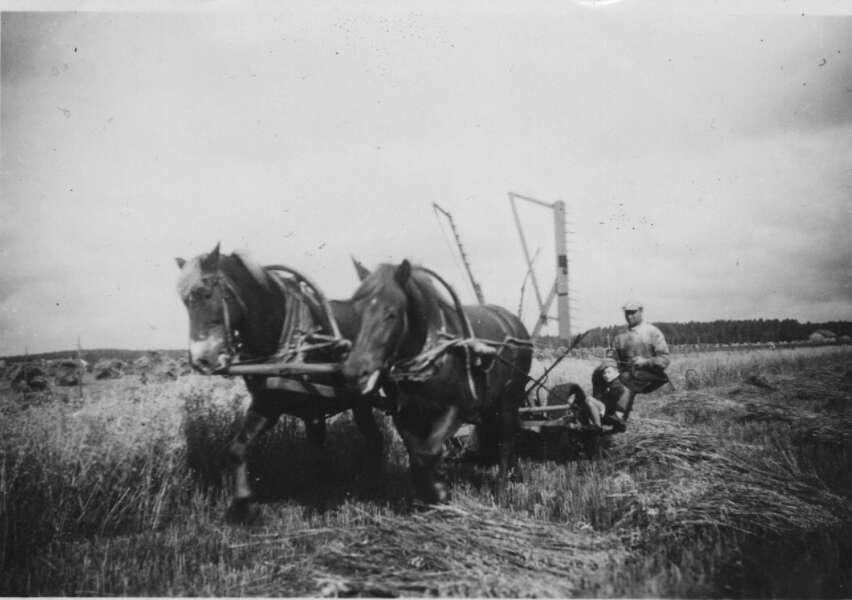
{"x": 148, "y": 362}
{"x": 68, "y": 378}
{"x": 701, "y": 407}
{"x": 154, "y": 367}
{"x": 67, "y": 372}
{"x": 109, "y": 369}
{"x": 27, "y": 377}
{"x": 735, "y": 404}
{"x": 831, "y": 430}
{"x": 716, "y": 483}
{"x": 467, "y": 549}
{"x": 767, "y": 412}
{"x": 759, "y": 380}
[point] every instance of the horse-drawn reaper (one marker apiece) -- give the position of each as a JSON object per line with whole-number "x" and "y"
{"x": 398, "y": 344}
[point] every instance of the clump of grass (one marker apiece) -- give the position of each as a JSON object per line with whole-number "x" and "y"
{"x": 114, "y": 466}
{"x": 208, "y": 427}
{"x": 60, "y": 483}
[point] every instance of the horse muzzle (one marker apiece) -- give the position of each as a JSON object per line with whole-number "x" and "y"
{"x": 208, "y": 356}
{"x": 367, "y": 384}
{"x": 364, "y": 379}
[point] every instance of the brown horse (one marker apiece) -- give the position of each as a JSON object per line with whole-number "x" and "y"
{"x": 233, "y": 302}
{"x": 420, "y": 350}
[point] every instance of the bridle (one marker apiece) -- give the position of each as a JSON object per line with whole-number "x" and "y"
{"x": 233, "y": 344}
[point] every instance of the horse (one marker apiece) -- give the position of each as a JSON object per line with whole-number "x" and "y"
{"x": 232, "y": 301}
{"x": 420, "y": 351}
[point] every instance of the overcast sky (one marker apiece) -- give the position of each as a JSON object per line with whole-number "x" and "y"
{"x": 704, "y": 155}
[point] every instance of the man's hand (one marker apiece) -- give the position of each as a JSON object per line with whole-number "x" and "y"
{"x": 640, "y": 361}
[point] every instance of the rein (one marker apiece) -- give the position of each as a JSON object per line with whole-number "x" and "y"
{"x": 232, "y": 346}
{"x": 467, "y": 329}
{"x": 298, "y": 322}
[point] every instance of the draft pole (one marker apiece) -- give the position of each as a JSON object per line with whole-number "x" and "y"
{"x": 476, "y": 287}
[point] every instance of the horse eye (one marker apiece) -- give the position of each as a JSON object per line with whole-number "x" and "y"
{"x": 199, "y": 294}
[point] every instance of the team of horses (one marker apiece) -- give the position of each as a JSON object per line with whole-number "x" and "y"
{"x": 407, "y": 349}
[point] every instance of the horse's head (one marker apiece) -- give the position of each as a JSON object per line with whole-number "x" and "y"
{"x": 382, "y": 307}
{"x": 209, "y": 289}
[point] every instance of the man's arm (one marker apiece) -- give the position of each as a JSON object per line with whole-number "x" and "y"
{"x": 661, "y": 350}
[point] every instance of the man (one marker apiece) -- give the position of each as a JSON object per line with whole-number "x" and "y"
{"x": 640, "y": 356}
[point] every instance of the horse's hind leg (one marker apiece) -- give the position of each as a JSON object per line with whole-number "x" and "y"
{"x": 254, "y": 423}
{"x": 508, "y": 425}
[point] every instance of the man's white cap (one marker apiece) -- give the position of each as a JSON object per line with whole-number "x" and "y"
{"x": 632, "y": 305}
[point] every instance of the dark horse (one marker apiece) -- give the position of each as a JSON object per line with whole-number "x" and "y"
{"x": 233, "y": 301}
{"x": 406, "y": 344}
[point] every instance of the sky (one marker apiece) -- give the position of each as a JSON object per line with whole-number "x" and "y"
{"x": 704, "y": 154}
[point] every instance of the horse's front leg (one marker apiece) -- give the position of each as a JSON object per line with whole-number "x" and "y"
{"x": 254, "y": 424}
{"x": 366, "y": 422}
{"x": 424, "y": 455}
{"x": 315, "y": 428}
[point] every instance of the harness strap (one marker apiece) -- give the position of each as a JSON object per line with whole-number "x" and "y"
{"x": 467, "y": 329}
{"x": 298, "y": 319}
{"x": 424, "y": 366}
{"x": 231, "y": 345}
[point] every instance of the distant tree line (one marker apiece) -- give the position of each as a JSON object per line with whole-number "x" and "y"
{"x": 93, "y": 356}
{"x": 751, "y": 331}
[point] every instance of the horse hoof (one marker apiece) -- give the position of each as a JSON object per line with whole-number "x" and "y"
{"x": 442, "y": 494}
{"x": 242, "y": 512}
{"x": 436, "y": 493}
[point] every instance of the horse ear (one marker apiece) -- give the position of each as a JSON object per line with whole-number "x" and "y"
{"x": 180, "y": 262}
{"x": 212, "y": 260}
{"x": 362, "y": 271}
{"x": 403, "y": 273}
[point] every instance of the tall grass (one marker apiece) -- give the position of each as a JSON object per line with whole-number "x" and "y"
{"x": 116, "y": 466}
{"x": 123, "y": 493}
{"x": 712, "y": 369}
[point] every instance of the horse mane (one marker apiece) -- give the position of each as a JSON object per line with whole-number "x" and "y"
{"x": 190, "y": 276}
{"x": 435, "y": 301}
{"x": 192, "y": 273}
{"x": 420, "y": 289}
{"x": 260, "y": 275}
